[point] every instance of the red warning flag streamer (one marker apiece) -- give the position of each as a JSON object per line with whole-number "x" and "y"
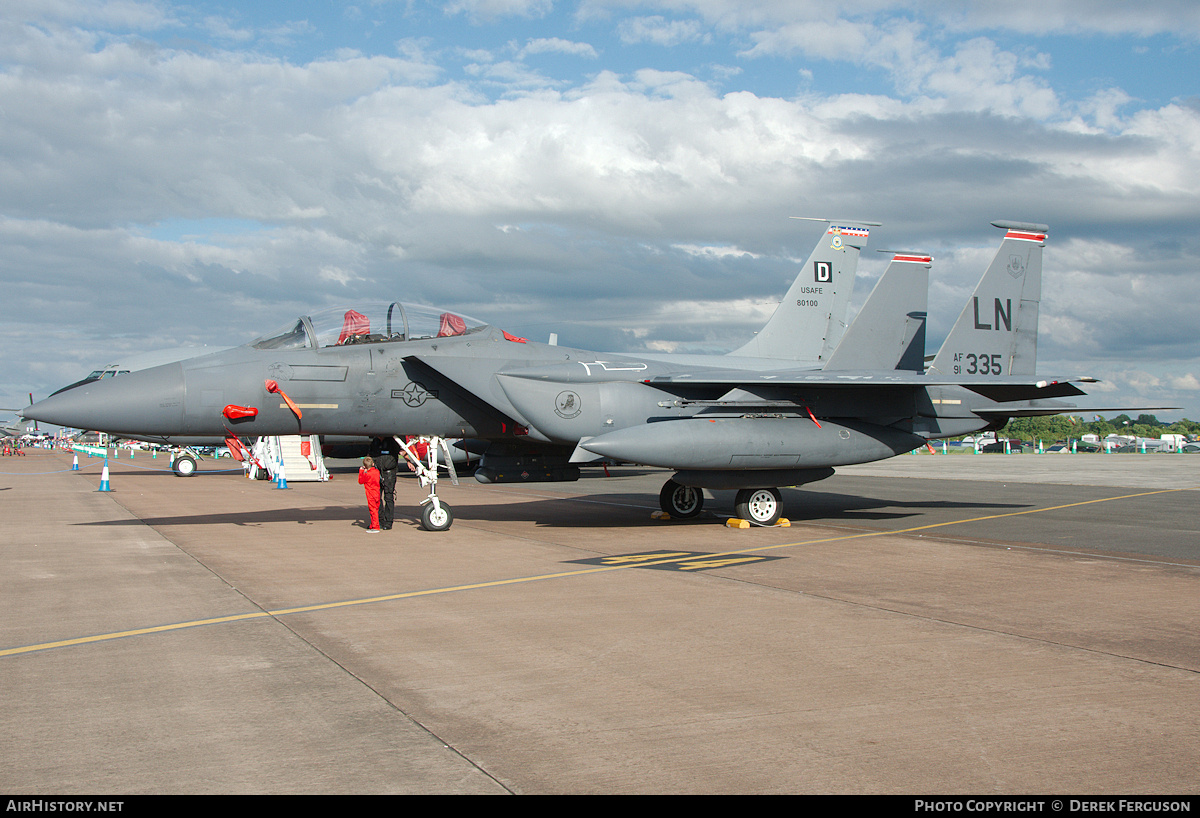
{"x": 814, "y": 417}
{"x": 274, "y": 389}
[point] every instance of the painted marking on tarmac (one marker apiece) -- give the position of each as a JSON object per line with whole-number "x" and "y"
{"x": 620, "y": 566}
{"x": 673, "y": 560}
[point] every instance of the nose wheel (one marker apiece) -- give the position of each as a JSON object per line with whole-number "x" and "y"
{"x": 436, "y": 517}
{"x": 184, "y": 465}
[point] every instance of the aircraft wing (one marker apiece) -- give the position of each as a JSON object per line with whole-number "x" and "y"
{"x": 997, "y": 389}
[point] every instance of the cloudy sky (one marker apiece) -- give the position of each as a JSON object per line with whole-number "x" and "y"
{"x": 620, "y": 172}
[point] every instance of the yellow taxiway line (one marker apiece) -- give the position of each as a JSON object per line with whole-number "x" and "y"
{"x": 196, "y": 623}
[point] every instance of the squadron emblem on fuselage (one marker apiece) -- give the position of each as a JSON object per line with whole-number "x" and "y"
{"x": 567, "y": 405}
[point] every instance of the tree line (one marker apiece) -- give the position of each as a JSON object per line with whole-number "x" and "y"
{"x": 1062, "y": 427}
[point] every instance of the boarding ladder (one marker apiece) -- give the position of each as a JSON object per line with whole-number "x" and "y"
{"x": 298, "y": 467}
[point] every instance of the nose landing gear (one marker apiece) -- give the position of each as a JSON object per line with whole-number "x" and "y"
{"x": 435, "y": 515}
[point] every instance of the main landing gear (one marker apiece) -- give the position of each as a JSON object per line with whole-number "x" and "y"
{"x": 681, "y": 502}
{"x": 758, "y": 506}
{"x": 435, "y": 515}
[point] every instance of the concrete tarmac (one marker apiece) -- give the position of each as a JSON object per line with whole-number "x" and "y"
{"x": 926, "y": 625}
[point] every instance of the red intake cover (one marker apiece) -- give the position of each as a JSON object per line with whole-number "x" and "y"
{"x": 237, "y": 412}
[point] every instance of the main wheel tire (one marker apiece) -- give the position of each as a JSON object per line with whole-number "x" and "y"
{"x": 184, "y": 466}
{"x": 435, "y": 519}
{"x": 680, "y": 501}
{"x": 759, "y": 506}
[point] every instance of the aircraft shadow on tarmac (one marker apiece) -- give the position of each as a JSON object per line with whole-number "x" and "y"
{"x": 609, "y": 510}
{"x": 817, "y": 506}
{"x": 616, "y": 508}
{"x": 301, "y": 516}
{"x": 580, "y": 511}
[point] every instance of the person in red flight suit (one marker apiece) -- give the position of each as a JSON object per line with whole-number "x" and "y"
{"x": 368, "y": 476}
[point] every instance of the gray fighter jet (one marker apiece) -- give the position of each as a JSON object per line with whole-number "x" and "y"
{"x": 19, "y": 426}
{"x": 803, "y": 333}
{"x": 773, "y": 413}
{"x": 16, "y": 427}
{"x": 143, "y": 360}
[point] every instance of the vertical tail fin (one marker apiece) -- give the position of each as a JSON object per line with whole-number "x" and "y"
{"x": 809, "y": 322}
{"x": 996, "y": 333}
{"x": 889, "y": 330}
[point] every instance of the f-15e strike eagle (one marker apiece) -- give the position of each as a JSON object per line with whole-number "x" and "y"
{"x": 805, "y": 395}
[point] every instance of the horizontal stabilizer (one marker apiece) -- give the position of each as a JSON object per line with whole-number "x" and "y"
{"x": 1025, "y": 391}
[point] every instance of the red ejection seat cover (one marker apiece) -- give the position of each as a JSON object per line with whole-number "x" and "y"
{"x": 451, "y": 324}
{"x": 355, "y": 323}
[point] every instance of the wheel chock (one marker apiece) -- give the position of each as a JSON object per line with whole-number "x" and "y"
{"x": 659, "y": 515}
{"x": 734, "y": 522}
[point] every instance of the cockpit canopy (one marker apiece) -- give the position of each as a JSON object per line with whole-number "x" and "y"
{"x": 371, "y": 322}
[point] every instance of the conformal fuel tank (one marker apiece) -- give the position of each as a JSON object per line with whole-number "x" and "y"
{"x": 752, "y": 443}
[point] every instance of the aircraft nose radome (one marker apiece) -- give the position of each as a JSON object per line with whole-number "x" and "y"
{"x": 146, "y": 402}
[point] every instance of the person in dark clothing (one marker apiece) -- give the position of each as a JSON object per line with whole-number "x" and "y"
{"x": 386, "y": 454}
